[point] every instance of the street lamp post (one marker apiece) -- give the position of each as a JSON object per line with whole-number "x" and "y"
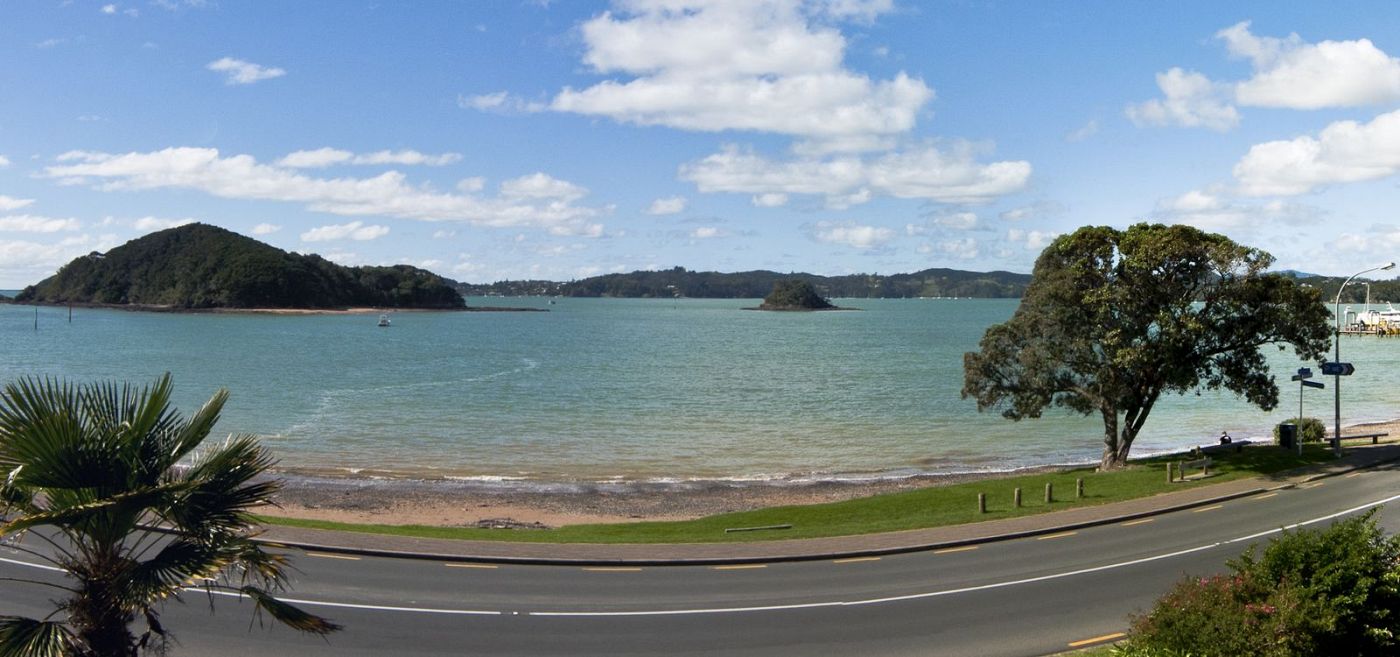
{"x": 1337, "y": 378}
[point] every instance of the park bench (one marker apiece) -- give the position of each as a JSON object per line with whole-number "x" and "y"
{"x": 1375, "y": 438}
{"x": 1203, "y": 463}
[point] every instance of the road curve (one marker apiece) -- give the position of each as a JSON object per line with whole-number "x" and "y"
{"x": 1030, "y": 596}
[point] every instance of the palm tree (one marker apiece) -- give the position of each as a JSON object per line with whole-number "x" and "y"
{"x": 126, "y": 502}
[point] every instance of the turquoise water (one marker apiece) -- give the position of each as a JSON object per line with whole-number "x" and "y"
{"x": 627, "y": 389}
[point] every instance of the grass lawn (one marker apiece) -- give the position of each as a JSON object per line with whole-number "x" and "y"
{"x": 929, "y": 507}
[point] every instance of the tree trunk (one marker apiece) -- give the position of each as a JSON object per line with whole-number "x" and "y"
{"x": 1110, "y": 439}
{"x": 101, "y": 621}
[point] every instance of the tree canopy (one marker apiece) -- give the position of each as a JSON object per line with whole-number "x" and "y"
{"x": 1114, "y": 319}
{"x": 794, "y": 294}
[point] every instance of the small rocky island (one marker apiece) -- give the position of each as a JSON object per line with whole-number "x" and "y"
{"x": 792, "y": 294}
{"x": 203, "y": 267}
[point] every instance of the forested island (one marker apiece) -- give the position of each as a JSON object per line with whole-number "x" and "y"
{"x": 198, "y": 266}
{"x": 680, "y": 282}
{"x": 792, "y": 294}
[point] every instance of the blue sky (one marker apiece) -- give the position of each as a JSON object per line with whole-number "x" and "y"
{"x": 533, "y": 139}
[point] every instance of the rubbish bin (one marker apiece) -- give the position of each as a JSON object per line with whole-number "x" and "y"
{"x": 1287, "y": 435}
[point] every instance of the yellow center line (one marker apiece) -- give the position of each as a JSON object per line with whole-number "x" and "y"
{"x": 1265, "y": 497}
{"x": 613, "y": 570}
{"x": 1314, "y": 484}
{"x": 742, "y": 566}
{"x": 964, "y": 548}
{"x": 1130, "y": 523}
{"x": 1098, "y": 639}
{"x": 484, "y": 566}
{"x": 1354, "y": 474}
{"x": 856, "y": 560}
{"x": 1059, "y": 535}
{"x": 1208, "y": 508}
{"x": 324, "y": 555}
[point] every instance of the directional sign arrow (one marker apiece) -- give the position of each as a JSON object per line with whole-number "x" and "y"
{"x": 1314, "y": 384}
{"x": 1338, "y": 369}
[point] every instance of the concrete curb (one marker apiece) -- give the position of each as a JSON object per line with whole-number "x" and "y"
{"x": 788, "y": 558}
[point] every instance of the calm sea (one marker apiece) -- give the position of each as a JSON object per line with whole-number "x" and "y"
{"x": 628, "y": 390}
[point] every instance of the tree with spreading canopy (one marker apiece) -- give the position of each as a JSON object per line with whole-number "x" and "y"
{"x": 111, "y": 486}
{"x": 1114, "y": 319}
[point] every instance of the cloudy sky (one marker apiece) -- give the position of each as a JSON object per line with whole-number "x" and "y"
{"x": 563, "y": 139}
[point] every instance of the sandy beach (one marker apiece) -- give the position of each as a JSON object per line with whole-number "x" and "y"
{"x": 450, "y": 504}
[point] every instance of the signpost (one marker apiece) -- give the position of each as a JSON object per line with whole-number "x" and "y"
{"x": 1302, "y": 377}
{"x": 1338, "y": 370}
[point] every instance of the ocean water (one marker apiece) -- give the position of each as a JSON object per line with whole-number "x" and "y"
{"x": 629, "y": 390}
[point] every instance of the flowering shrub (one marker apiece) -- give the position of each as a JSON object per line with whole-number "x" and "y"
{"x": 1330, "y": 592}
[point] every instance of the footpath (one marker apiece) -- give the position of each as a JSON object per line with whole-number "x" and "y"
{"x": 837, "y": 547}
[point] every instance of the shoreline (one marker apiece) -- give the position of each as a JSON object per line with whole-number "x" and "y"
{"x": 449, "y": 503}
{"x": 355, "y": 310}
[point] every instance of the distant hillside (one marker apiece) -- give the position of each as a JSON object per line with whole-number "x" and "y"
{"x": 1381, "y": 290}
{"x": 679, "y": 282}
{"x": 202, "y": 266}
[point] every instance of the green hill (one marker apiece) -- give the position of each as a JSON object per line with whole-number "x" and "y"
{"x": 201, "y": 266}
{"x": 680, "y": 282}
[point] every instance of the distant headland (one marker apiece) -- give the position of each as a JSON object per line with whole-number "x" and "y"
{"x": 679, "y": 282}
{"x": 201, "y": 267}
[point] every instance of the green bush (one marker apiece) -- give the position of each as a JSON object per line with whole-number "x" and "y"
{"x": 1311, "y": 429}
{"x": 1329, "y": 592}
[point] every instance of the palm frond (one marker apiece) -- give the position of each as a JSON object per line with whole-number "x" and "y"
{"x": 127, "y": 506}
{"x": 27, "y": 637}
{"x": 289, "y": 615}
{"x": 180, "y": 562}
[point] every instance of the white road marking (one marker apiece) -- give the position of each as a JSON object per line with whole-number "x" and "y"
{"x": 809, "y": 605}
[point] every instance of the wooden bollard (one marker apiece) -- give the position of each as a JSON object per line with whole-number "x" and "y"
{"x": 981, "y": 502}
{"x": 1170, "y": 478}
{"x": 1079, "y": 488}
{"x": 1049, "y": 492}
{"x": 1016, "y": 498}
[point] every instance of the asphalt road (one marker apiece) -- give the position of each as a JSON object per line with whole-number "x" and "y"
{"x": 1024, "y": 597}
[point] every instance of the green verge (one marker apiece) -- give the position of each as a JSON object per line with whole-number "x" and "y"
{"x": 919, "y": 509}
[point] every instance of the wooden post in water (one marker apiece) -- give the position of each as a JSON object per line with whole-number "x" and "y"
{"x": 1049, "y": 492}
{"x": 36, "y": 319}
{"x": 1016, "y": 498}
{"x": 1079, "y": 488}
{"x": 981, "y": 502}
{"x": 70, "y": 313}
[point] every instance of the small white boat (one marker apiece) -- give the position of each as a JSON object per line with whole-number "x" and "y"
{"x": 383, "y": 320}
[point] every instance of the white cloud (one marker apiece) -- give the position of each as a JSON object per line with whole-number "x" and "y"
{"x": 1037, "y": 209}
{"x": 536, "y": 200}
{"x": 355, "y": 230}
{"x": 324, "y": 157}
{"x": 851, "y": 234}
{"x": 28, "y": 223}
{"x": 965, "y": 248}
{"x": 770, "y": 200}
{"x": 149, "y": 224}
{"x": 1083, "y": 132}
{"x": 321, "y": 157}
{"x": 501, "y": 102}
{"x": 1033, "y": 240}
{"x": 444, "y": 234}
{"x": 1209, "y": 211}
{"x": 29, "y": 261}
{"x": 1291, "y": 73}
{"x": 926, "y": 172}
{"x": 753, "y": 65}
{"x": 958, "y": 220}
{"x": 706, "y": 232}
{"x": 1191, "y": 100}
{"x": 109, "y": 9}
{"x": 8, "y": 203}
{"x": 1345, "y": 151}
{"x": 266, "y": 229}
{"x": 237, "y": 71}
{"x": 4, "y": 161}
{"x": 671, "y": 205}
